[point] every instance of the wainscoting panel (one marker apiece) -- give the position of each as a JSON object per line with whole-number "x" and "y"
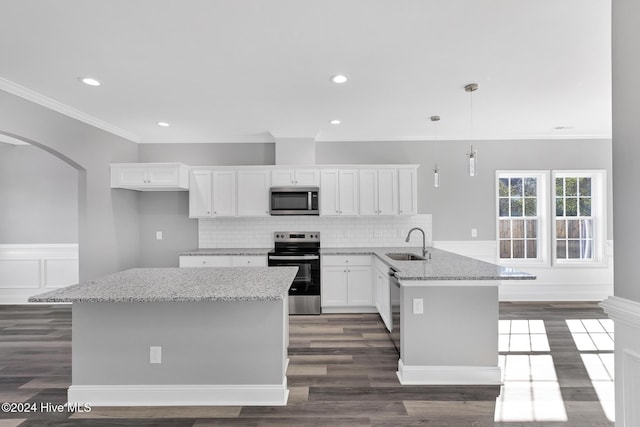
{"x": 30, "y": 269}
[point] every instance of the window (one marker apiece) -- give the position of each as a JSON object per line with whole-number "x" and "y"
{"x": 573, "y": 230}
{"x": 521, "y": 207}
{"x": 579, "y": 214}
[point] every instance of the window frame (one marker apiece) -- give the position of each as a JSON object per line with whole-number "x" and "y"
{"x": 598, "y": 215}
{"x": 542, "y": 208}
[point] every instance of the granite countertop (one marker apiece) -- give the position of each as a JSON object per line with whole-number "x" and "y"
{"x": 226, "y": 251}
{"x": 443, "y": 265}
{"x": 180, "y": 284}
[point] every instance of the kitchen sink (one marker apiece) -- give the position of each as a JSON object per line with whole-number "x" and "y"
{"x": 405, "y": 256}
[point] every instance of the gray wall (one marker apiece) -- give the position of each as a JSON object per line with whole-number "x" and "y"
{"x": 108, "y": 233}
{"x": 38, "y": 197}
{"x": 626, "y": 149}
{"x": 169, "y": 211}
{"x": 463, "y": 202}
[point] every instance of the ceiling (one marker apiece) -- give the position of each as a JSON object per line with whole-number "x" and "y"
{"x": 255, "y": 70}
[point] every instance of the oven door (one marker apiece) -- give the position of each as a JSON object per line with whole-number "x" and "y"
{"x": 307, "y": 280}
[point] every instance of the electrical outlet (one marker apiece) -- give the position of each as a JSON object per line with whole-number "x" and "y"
{"x": 474, "y": 232}
{"x": 418, "y": 306}
{"x": 155, "y": 354}
{"x": 158, "y": 235}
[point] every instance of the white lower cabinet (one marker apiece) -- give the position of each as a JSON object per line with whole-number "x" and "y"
{"x": 346, "y": 283}
{"x": 223, "y": 261}
{"x": 381, "y": 292}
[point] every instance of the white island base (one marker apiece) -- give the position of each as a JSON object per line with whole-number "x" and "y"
{"x": 455, "y": 340}
{"x": 211, "y": 353}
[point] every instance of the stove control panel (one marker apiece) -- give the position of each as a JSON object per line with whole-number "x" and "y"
{"x": 297, "y": 236}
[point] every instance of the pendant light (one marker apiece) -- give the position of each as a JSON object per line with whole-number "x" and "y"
{"x": 473, "y": 154}
{"x": 436, "y": 172}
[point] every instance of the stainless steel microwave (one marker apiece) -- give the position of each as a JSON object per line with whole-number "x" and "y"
{"x": 294, "y": 201}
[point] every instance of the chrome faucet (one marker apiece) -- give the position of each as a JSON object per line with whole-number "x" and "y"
{"x": 424, "y": 239}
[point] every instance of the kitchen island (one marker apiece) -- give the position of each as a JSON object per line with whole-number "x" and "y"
{"x": 179, "y": 336}
{"x": 444, "y": 313}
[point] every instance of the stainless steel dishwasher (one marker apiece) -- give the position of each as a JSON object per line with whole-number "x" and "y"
{"x": 394, "y": 299}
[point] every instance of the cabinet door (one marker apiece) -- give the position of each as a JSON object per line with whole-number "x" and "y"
{"x": 368, "y": 191}
{"x": 200, "y": 194}
{"x": 407, "y": 191}
{"x": 329, "y": 193}
{"x": 248, "y": 261}
{"x": 253, "y": 192}
{"x": 134, "y": 175}
{"x": 359, "y": 286}
{"x": 348, "y": 192}
{"x": 334, "y": 286}
{"x": 224, "y": 193}
{"x": 163, "y": 175}
{"x": 388, "y": 192}
{"x": 307, "y": 177}
{"x": 282, "y": 177}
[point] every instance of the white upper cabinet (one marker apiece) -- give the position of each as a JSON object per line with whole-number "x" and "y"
{"x": 407, "y": 191}
{"x": 150, "y": 176}
{"x": 253, "y": 192}
{"x": 339, "y": 192}
{"x": 301, "y": 177}
{"x": 212, "y": 193}
{"x": 378, "y": 191}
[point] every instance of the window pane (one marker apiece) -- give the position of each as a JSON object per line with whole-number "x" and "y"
{"x": 516, "y": 186}
{"x": 504, "y": 206}
{"x": 505, "y": 248}
{"x": 561, "y": 249}
{"x": 505, "y": 228}
{"x": 559, "y": 187}
{"x": 586, "y": 226}
{"x": 561, "y": 228}
{"x": 532, "y": 228}
{"x": 518, "y": 248}
{"x": 573, "y": 249}
{"x": 585, "y": 206}
{"x": 585, "y": 186}
{"x": 516, "y": 207}
{"x": 530, "y": 206}
{"x": 530, "y": 187}
{"x": 503, "y": 187}
{"x": 573, "y": 229}
{"x": 559, "y": 206}
{"x": 587, "y": 248}
{"x": 518, "y": 229}
{"x": 571, "y": 186}
{"x": 532, "y": 249}
{"x": 572, "y": 206}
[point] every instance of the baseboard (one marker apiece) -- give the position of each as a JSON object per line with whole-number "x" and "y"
{"x": 448, "y": 375}
{"x": 180, "y": 395}
{"x": 347, "y": 309}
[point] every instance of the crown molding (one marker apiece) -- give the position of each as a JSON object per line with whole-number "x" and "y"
{"x": 426, "y": 138}
{"x": 52, "y": 104}
{"x": 230, "y": 139}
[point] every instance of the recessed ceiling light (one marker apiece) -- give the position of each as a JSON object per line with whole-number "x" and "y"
{"x": 339, "y": 79}
{"x": 335, "y": 122}
{"x": 90, "y": 81}
{"x": 163, "y": 124}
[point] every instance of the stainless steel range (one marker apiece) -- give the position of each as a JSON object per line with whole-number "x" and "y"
{"x": 300, "y": 249}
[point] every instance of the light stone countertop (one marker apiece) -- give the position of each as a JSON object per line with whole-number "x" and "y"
{"x": 180, "y": 284}
{"x": 226, "y": 251}
{"x": 443, "y": 265}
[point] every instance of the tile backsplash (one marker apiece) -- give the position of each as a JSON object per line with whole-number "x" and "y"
{"x": 334, "y": 232}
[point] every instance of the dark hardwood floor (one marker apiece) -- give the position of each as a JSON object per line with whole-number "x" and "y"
{"x": 341, "y": 373}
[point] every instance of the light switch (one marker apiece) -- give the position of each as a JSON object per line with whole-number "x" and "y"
{"x": 474, "y": 232}
{"x": 158, "y": 235}
{"x": 155, "y": 354}
{"x": 418, "y": 306}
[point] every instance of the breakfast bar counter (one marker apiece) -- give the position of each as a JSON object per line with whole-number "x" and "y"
{"x": 179, "y": 336}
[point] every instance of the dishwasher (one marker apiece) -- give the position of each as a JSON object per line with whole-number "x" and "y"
{"x": 394, "y": 312}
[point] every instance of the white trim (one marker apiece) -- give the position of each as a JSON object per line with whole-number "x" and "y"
{"x": 220, "y": 139}
{"x": 348, "y": 309}
{"x": 429, "y": 138}
{"x": 448, "y": 375}
{"x": 52, "y": 104}
{"x": 180, "y": 395}
{"x": 631, "y": 387}
{"x": 622, "y": 310}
